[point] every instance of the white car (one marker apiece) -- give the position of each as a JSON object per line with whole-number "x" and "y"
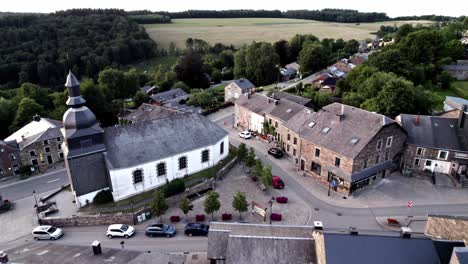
{"x": 119, "y": 230}
{"x": 245, "y": 134}
{"x": 47, "y": 232}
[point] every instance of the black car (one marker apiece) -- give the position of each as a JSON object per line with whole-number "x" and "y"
{"x": 160, "y": 230}
{"x": 193, "y": 229}
{"x": 275, "y": 152}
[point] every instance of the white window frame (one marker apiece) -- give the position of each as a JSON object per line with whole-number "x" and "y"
{"x": 442, "y": 151}
{"x": 391, "y": 142}
{"x": 417, "y": 162}
{"x": 422, "y": 151}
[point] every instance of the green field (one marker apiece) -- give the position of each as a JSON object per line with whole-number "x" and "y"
{"x": 238, "y": 31}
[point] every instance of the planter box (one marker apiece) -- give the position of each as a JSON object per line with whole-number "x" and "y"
{"x": 226, "y": 217}
{"x": 282, "y": 199}
{"x": 276, "y": 217}
{"x": 200, "y": 218}
{"x": 253, "y": 178}
{"x": 175, "y": 218}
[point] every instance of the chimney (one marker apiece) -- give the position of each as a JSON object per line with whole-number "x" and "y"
{"x": 353, "y": 231}
{"x": 342, "y": 109}
{"x": 36, "y": 118}
{"x": 341, "y": 114}
{"x": 417, "y": 121}
{"x": 462, "y": 116}
{"x": 405, "y": 232}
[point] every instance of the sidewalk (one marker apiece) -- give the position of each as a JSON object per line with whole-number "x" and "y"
{"x": 8, "y": 181}
{"x": 394, "y": 190}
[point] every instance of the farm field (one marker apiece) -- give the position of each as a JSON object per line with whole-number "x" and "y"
{"x": 238, "y": 31}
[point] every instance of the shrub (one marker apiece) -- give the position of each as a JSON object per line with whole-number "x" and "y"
{"x": 276, "y": 217}
{"x": 282, "y": 199}
{"x": 175, "y": 218}
{"x": 200, "y": 218}
{"x": 226, "y": 217}
{"x": 174, "y": 187}
{"x": 104, "y": 196}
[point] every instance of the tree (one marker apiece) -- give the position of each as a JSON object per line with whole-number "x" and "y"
{"x": 7, "y": 114}
{"x": 113, "y": 81}
{"x": 189, "y": 69}
{"x": 27, "y": 108}
{"x": 250, "y": 159}
{"x": 445, "y": 80}
{"x": 267, "y": 177}
{"x": 182, "y": 86}
{"x": 202, "y": 98}
{"x": 140, "y": 98}
{"x": 186, "y": 206}
{"x": 242, "y": 152}
{"x": 239, "y": 203}
{"x": 212, "y": 203}
{"x": 311, "y": 57}
{"x": 258, "y": 169}
{"x": 282, "y": 49}
{"x": 159, "y": 205}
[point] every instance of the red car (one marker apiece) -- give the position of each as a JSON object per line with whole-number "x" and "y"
{"x": 277, "y": 183}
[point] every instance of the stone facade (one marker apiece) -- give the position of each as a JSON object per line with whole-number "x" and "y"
{"x": 232, "y": 92}
{"x": 43, "y": 154}
{"x": 9, "y": 160}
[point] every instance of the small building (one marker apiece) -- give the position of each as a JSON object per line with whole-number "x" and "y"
{"x": 344, "y": 147}
{"x": 236, "y": 88}
{"x": 328, "y": 84}
{"x": 454, "y": 103}
{"x": 40, "y": 143}
{"x": 295, "y": 66}
{"x": 9, "y": 158}
{"x": 287, "y": 74}
{"x": 345, "y": 66}
{"x": 150, "y": 89}
{"x": 458, "y": 70}
{"x": 172, "y": 96}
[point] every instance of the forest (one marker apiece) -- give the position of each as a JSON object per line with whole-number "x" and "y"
{"x": 37, "y": 48}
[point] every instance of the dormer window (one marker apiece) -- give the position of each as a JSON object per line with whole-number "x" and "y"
{"x": 354, "y": 141}
{"x": 311, "y": 124}
{"x": 325, "y": 130}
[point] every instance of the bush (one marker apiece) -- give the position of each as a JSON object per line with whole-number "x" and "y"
{"x": 174, "y": 187}
{"x": 200, "y": 218}
{"x": 226, "y": 217}
{"x": 102, "y": 197}
{"x": 175, "y": 218}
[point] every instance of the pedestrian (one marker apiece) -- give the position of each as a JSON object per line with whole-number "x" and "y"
{"x": 122, "y": 243}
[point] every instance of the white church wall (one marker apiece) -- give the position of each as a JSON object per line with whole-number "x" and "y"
{"x": 84, "y": 199}
{"x": 122, "y": 179}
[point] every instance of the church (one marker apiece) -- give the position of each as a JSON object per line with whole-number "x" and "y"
{"x": 131, "y": 159}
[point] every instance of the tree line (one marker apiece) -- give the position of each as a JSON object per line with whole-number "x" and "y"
{"x": 37, "y": 48}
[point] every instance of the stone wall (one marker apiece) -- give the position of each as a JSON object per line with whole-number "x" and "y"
{"x": 104, "y": 219}
{"x": 319, "y": 247}
{"x": 230, "y": 92}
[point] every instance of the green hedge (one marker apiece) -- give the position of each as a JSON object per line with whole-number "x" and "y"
{"x": 174, "y": 187}
{"x": 102, "y": 197}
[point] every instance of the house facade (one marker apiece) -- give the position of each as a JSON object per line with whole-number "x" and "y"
{"x": 133, "y": 158}
{"x": 344, "y": 147}
{"x": 437, "y": 145}
{"x": 237, "y": 88}
{"x": 9, "y": 159}
{"x": 458, "y": 70}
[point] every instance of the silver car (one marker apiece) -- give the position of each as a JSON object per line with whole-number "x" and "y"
{"x": 47, "y": 232}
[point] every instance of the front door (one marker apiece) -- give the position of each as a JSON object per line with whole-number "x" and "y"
{"x": 302, "y": 164}
{"x": 49, "y": 159}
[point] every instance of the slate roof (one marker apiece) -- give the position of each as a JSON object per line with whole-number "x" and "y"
{"x": 257, "y": 103}
{"x": 432, "y": 132}
{"x": 50, "y": 133}
{"x": 462, "y": 254}
{"x": 171, "y": 95}
{"x": 147, "y": 112}
{"x": 291, "y": 97}
{"x": 148, "y": 88}
{"x": 286, "y": 109}
{"x": 137, "y": 143}
{"x": 370, "y": 249}
{"x": 244, "y": 84}
{"x": 183, "y": 107}
{"x": 33, "y": 128}
{"x": 293, "y": 65}
{"x": 301, "y": 119}
{"x": 355, "y": 123}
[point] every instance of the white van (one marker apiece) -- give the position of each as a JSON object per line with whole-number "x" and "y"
{"x": 47, "y": 232}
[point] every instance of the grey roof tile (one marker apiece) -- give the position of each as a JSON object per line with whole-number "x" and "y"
{"x": 171, "y": 95}
{"x": 291, "y": 97}
{"x": 147, "y": 112}
{"x": 244, "y": 84}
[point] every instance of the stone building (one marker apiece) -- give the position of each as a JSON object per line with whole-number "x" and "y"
{"x": 437, "y": 145}
{"x": 9, "y": 159}
{"x": 346, "y": 148}
{"x": 237, "y": 88}
{"x": 39, "y": 143}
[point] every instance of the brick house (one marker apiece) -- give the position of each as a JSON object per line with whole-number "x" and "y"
{"x": 346, "y": 148}
{"x": 437, "y": 145}
{"x": 9, "y": 159}
{"x": 237, "y": 88}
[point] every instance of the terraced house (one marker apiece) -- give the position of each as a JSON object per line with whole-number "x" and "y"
{"x": 346, "y": 148}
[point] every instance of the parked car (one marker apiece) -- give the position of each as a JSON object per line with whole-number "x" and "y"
{"x": 119, "y": 230}
{"x": 156, "y": 230}
{"x": 278, "y": 183}
{"x": 47, "y": 232}
{"x": 195, "y": 229}
{"x": 275, "y": 152}
{"x": 245, "y": 134}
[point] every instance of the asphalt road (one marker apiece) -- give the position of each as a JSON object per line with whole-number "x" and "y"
{"x": 15, "y": 189}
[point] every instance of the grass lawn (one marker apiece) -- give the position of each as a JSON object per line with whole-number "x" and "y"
{"x": 189, "y": 181}
{"x": 238, "y": 31}
{"x": 150, "y": 65}
{"x": 457, "y": 89}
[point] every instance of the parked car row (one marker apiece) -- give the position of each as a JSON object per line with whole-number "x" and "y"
{"x": 47, "y": 232}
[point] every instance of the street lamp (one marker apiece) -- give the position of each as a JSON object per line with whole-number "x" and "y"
{"x": 133, "y": 212}
{"x": 271, "y": 208}
{"x": 36, "y": 207}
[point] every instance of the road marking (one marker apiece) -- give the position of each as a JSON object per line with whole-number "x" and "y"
{"x": 54, "y": 180}
{"x": 42, "y": 253}
{"x": 32, "y": 178}
{"x": 77, "y": 255}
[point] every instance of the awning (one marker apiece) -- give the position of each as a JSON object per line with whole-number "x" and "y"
{"x": 372, "y": 170}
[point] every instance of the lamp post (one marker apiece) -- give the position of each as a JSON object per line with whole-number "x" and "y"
{"x": 271, "y": 208}
{"x": 36, "y": 207}
{"x": 133, "y": 212}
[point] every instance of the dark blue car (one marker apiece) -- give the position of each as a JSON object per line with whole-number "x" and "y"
{"x": 193, "y": 229}
{"x": 156, "y": 230}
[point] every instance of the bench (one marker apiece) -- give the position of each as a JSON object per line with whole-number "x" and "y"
{"x": 261, "y": 186}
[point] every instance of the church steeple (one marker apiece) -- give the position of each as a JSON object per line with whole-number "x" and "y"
{"x": 75, "y": 99}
